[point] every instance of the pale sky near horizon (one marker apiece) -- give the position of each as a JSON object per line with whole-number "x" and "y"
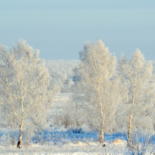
{"x": 60, "y": 28}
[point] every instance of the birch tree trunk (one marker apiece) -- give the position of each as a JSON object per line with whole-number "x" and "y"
{"x": 20, "y": 138}
{"x": 101, "y": 130}
{"x": 129, "y": 129}
{"x": 130, "y": 124}
{"x": 101, "y": 136}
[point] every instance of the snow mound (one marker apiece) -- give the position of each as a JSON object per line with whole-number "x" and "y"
{"x": 119, "y": 142}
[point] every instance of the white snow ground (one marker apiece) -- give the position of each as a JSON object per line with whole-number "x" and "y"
{"x": 80, "y": 148}
{"x": 68, "y": 149}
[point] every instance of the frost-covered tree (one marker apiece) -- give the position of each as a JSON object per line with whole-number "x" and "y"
{"x": 98, "y": 85}
{"x": 24, "y": 88}
{"x": 137, "y": 78}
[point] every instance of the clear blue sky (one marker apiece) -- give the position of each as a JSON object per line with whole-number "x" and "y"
{"x": 59, "y": 28}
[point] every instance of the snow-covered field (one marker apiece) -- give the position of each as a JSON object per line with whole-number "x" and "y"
{"x": 79, "y": 148}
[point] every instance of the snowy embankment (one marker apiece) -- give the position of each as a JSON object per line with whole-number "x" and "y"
{"x": 79, "y": 148}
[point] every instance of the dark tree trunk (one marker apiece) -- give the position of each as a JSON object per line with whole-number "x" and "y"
{"x": 19, "y": 143}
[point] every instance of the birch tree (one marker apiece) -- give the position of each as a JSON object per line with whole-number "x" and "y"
{"x": 25, "y": 88}
{"x": 137, "y": 77}
{"x": 99, "y": 87}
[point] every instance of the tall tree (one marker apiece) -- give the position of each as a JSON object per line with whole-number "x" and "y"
{"x": 137, "y": 77}
{"x": 98, "y": 85}
{"x": 25, "y": 88}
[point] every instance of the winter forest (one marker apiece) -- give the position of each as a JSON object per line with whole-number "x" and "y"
{"x": 99, "y": 104}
